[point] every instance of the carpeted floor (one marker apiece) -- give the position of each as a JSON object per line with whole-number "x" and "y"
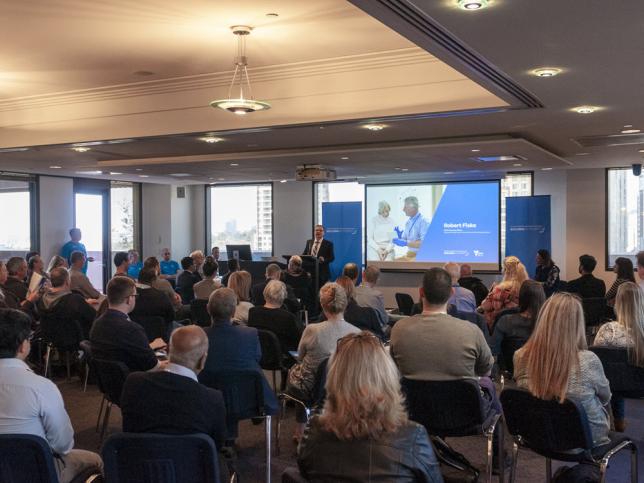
{"x": 83, "y": 410}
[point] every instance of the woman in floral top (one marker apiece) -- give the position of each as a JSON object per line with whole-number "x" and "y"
{"x": 506, "y": 294}
{"x": 628, "y": 332}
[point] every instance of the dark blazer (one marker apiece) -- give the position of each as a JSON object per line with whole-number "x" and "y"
{"x": 17, "y": 287}
{"x": 235, "y": 347}
{"x": 279, "y": 321}
{"x": 325, "y": 251}
{"x": 404, "y": 456}
{"x": 167, "y": 403}
{"x": 152, "y": 302}
{"x": 185, "y": 282}
{"x": 69, "y": 307}
{"x": 587, "y": 286}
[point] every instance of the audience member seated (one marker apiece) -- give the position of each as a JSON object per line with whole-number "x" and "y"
{"x": 521, "y": 324}
{"x": 234, "y": 347}
{"x": 587, "y": 286}
{"x": 317, "y": 344}
{"x": 162, "y": 284}
{"x": 555, "y": 363}
{"x": 434, "y": 346}
{"x": 462, "y": 298}
{"x": 300, "y": 281}
{"x": 470, "y": 282}
{"x": 240, "y": 283}
{"x": 36, "y": 268}
{"x": 9, "y": 300}
{"x": 628, "y": 332}
{"x": 79, "y": 281}
{"x": 364, "y": 318}
{"x": 117, "y": 338}
{"x": 273, "y": 272}
{"x": 55, "y": 262}
{"x": 169, "y": 267}
{"x": 366, "y": 295}
{"x": 31, "y": 404}
{"x": 122, "y": 263}
{"x": 172, "y": 401}
{"x": 151, "y": 302}
{"x": 547, "y": 272}
{"x": 233, "y": 266}
{"x": 60, "y": 303}
{"x": 505, "y": 295}
{"x": 272, "y": 317}
{"x": 135, "y": 264}
{"x": 623, "y": 269}
{"x": 640, "y": 269}
{"x": 209, "y": 284}
{"x": 187, "y": 279}
{"x": 363, "y": 433}
{"x": 199, "y": 259}
{"x": 17, "y": 274}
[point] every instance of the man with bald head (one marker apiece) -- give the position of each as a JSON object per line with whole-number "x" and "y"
{"x": 172, "y": 401}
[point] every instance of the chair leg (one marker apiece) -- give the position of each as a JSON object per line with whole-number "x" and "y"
{"x": 68, "y": 363}
{"x": 47, "y": 355}
{"x": 280, "y": 415}
{"x": 490, "y": 454}
{"x": 100, "y": 412}
{"x": 268, "y": 449}
{"x": 515, "y": 460}
{"x": 275, "y": 383}
{"x": 548, "y": 470}
{"x": 86, "y": 377}
{"x": 106, "y": 420}
{"x": 634, "y": 475}
{"x": 501, "y": 451}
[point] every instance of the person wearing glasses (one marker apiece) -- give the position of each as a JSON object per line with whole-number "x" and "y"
{"x": 117, "y": 338}
{"x": 363, "y": 430}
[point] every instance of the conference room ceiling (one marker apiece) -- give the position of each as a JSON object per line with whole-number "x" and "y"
{"x": 144, "y": 72}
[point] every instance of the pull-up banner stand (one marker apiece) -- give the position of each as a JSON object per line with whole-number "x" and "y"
{"x": 343, "y": 226}
{"x": 527, "y": 228}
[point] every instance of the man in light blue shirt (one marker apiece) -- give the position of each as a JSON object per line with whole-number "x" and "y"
{"x": 169, "y": 267}
{"x": 462, "y": 298}
{"x": 415, "y": 228}
{"x": 31, "y": 404}
{"x": 74, "y": 245}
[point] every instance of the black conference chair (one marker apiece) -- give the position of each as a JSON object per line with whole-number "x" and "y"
{"x": 508, "y": 347}
{"x": 273, "y": 359}
{"x": 140, "y": 457}
{"x": 199, "y": 312}
{"x": 86, "y": 347}
{"x": 405, "y": 303}
{"x": 62, "y": 334}
{"x": 155, "y": 326}
{"x": 558, "y": 431}
{"x": 293, "y": 475}
{"x": 25, "y": 457}
{"x": 514, "y": 310}
{"x": 243, "y": 393}
{"x": 454, "y": 409}
{"x": 111, "y": 376}
{"x": 594, "y": 313}
{"x": 625, "y": 380}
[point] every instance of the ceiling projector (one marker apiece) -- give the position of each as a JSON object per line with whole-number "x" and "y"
{"x": 314, "y": 172}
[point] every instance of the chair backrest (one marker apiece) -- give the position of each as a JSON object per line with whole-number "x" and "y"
{"x": 405, "y": 303}
{"x": 26, "y": 458}
{"x": 199, "y": 312}
{"x": 154, "y": 326}
{"x": 508, "y": 347}
{"x": 445, "y": 408}
{"x": 513, "y": 310}
{"x": 292, "y": 475}
{"x": 63, "y": 332}
{"x": 594, "y": 310}
{"x": 243, "y": 392}
{"x": 111, "y": 376}
{"x": 271, "y": 351}
{"x": 546, "y": 427}
{"x": 136, "y": 458}
{"x": 625, "y": 379}
{"x": 319, "y": 389}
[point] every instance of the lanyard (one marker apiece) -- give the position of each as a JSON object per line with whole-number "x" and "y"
{"x": 413, "y": 223}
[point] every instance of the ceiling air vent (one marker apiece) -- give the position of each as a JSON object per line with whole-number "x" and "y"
{"x": 611, "y": 140}
{"x": 499, "y": 158}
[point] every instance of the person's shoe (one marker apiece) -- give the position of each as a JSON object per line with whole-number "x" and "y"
{"x": 620, "y": 425}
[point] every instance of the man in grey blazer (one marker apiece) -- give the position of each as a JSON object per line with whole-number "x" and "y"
{"x": 365, "y": 294}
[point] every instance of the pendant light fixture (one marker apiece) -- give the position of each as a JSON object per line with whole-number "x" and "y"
{"x": 244, "y": 102}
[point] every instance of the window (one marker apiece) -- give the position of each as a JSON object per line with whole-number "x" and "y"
{"x": 123, "y": 217}
{"x": 242, "y": 215}
{"x": 17, "y": 236}
{"x": 625, "y": 215}
{"x": 513, "y": 184}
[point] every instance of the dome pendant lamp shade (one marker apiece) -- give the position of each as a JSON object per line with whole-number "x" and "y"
{"x": 243, "y": 103}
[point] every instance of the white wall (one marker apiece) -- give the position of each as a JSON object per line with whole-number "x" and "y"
{"x": 292, "y": 216}
{"x": 554, "y": 183}
{"x": 156, "y": 219}
{"x": 56, "y": 204}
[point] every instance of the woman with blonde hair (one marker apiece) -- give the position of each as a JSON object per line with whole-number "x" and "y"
{"x": 505, "y": 295}
{"x": 628, "y": 332}
{"x": 363, "y": 428}
{"x": 240, "y": 283}
{"x": 555, "y": 363}
{"x": 317, "y": 344}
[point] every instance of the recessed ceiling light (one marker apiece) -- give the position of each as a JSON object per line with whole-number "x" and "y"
{"x": 374, "y": 127}
{"x": 448, "y": 172}
{"x": 630, "y": 131}
{"x": 405, "y": 169}
{"x": 221, "y": 179}
{"x": 475, "y": 150}
{"x": 517, "y": 165}
{"x": 546, "y": 169}
{"x": 115, "y": 173}
{"x": 397, "y": 168}
{"x": 179, "y": 175}
{"x": 119, "y": 141}
{"x": 344, "y": 158}
{"x": 13, "y": 150}
{"x": 90, "y": 172}
{"x": 546, "y": 71}
{"x": 143, "y": 176}
{"x": 234, "y": 164}
{"x": 55, "y": 167}
{"x": 641, "y": 151}
{"x": 584, "y": 109}
{"x": 473, "y": 4}
{"x": 138, "y": 169}
{"x": 80, "y": 149}
{"x": 628, "y": 125}
{"x": 582, "y": 154}
{"x": 283, "y": 181}
{"x": 211, "y": 139}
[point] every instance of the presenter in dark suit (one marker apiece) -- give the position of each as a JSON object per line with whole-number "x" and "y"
{"x": 323, "y": 250}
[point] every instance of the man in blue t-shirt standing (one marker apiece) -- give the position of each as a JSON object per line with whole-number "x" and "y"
{"x": 169, "y": 268}
{"x": 74, "y": 245}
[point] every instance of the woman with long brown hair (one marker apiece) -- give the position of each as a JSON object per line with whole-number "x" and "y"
{"x": 556, "y": 364}
{"x": 363, "y": 430}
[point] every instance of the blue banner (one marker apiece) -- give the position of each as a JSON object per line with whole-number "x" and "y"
{"x": 527, "y": 228}
{"x": 343, "y": 226}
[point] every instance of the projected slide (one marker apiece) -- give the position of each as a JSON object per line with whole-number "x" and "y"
{"x": 415, "y": 225}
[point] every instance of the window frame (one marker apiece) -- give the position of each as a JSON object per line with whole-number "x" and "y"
{"x": 34, "y": 208}
{"x": 607, "y": 266}
{"x": 208, "y": 213}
